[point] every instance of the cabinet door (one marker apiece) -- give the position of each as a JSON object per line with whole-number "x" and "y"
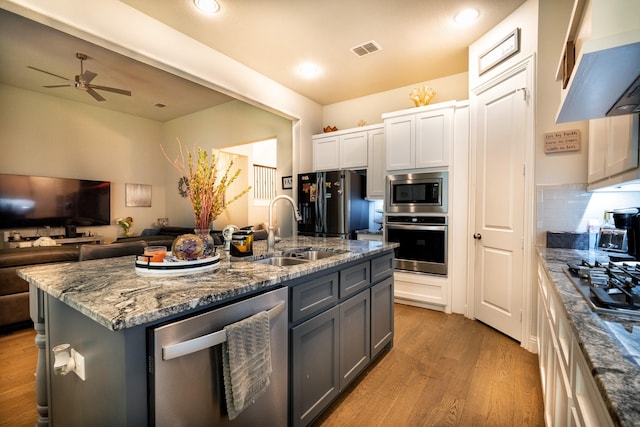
{"x": 353, "y": 151}
{"x": 613, "y": 146}
{"x": 400, "y": 142}
{"x": 326, "y": 153}
{"x": 315, "y": 375}
{"x": 622, "y": 150}
{"x": 376, "y": 166}
{"x": 355, "y": 337}
{"x": 434, "y": 132}
{"x": 597, "y": 150}
{"x": 381, "y": 315}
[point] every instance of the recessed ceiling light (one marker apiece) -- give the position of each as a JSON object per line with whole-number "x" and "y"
{"x": 207, "y": 6}
{"x": 466, "y": 17}
{"x": 309, "y": 70}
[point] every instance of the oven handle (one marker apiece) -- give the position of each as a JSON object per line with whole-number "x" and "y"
{"x": 210, "y": 340}
{"x": 416, "y": 227}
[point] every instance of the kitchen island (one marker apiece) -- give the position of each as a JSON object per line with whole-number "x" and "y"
{"x": 104, "y": 309}
{"x": 584, "y": 348}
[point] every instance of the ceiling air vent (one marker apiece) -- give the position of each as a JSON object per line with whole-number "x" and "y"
{"x": 366, "y": 48}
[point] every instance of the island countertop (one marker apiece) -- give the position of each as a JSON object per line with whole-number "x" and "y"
{"x": 112, "y": 293}
{"x": 615, "y": 365}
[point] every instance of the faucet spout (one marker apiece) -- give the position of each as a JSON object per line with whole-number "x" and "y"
{"x": 271, "y": 238}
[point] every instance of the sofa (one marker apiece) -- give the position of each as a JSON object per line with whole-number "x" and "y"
{"x": 14, "y": 291}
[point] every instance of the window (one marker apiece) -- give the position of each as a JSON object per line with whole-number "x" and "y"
{"x": 264, "y": 182}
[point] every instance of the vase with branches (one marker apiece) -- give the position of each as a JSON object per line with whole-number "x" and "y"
{"x": 201, "y": 184}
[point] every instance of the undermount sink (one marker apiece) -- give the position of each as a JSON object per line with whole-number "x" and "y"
{"x": 281, "y": 261}
{"x": 313, "y": 254}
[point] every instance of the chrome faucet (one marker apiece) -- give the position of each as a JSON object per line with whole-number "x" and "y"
{"x": 271, "y": 238}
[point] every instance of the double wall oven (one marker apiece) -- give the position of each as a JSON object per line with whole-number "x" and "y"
{"x": 416, "y": 218}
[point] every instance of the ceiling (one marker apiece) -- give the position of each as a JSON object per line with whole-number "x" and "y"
{"x": 418, "y": 39}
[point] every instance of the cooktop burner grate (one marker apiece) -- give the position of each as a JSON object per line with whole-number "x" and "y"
{"x": 612, "y": 287}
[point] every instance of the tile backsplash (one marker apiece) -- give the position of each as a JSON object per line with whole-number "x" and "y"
{"x": 570, "y": 207}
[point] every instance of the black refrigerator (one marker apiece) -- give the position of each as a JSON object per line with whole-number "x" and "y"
{"x": 332, "y": 204}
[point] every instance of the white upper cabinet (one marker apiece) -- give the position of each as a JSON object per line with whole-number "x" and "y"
{"x": 419, "y": 137}
{"x": 613, "y": 149}
{"x": 346, "y": 149}
{"x": 376, "y": 169}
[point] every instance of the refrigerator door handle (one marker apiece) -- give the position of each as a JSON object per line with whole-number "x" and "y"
{"x": 319, "y": 203}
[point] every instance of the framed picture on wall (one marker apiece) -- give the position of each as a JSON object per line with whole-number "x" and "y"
{"x": 138, "y": 195}
{"x": 287, "y": 182}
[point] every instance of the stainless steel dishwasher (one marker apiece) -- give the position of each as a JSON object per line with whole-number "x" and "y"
{"x": 185, "y": 367}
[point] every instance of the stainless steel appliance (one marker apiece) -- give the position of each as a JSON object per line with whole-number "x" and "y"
{"x": 423, "y": 242}
{"x": 332, "y": 204}
{"x": 416, "y": 193}
{"x": 185, "y": 367}
{"x": 612, "y": 288}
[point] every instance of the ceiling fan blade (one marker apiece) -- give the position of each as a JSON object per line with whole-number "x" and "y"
{"x": 87, "y": 76}
{"x": 111, "y": 89}
{"x": 46, "y": 72}
{"x": 95, "y": 94}
{"x": 52, "y": 86}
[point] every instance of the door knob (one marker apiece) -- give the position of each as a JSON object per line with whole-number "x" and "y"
{"x": 477, "y": 236}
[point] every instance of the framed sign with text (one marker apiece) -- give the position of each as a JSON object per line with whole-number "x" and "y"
{"x": 504, "y": 49}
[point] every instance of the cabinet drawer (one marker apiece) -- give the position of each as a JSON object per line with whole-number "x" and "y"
{"x": 381, "y": 267}
{"x": 314, "y": 296}
{"x": 354, "y": 279}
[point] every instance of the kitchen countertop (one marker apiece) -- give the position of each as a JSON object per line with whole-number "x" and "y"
{"x": 110, "y": 291}
{"x": 615, "y": 368}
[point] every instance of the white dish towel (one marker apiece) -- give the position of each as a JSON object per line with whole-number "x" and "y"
{"x": 246, "y": 362}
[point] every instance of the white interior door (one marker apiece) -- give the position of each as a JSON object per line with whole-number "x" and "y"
{"x": 500, "y": 187}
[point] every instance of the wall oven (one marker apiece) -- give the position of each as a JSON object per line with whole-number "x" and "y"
{"x": 416, "y": 193}
{"x": 423, "y": 242}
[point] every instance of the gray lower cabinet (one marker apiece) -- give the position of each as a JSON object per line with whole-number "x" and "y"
{"x": 355, "y": 337}
{"x": 339, "y": 321}
{"x": 381, "y": 315}
{"x": 315, "y": 360}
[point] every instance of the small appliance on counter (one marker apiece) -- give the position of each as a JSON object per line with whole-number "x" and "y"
{"x": 623, "y": 236}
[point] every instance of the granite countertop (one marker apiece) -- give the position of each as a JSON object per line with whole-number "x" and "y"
{"x": 614, "y": 365}
{"x": 110, "y": 291}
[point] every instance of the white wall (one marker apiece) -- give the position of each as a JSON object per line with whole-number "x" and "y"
{"x": 125, "y": 30}
{"x": 557, "y": 168}
{"x": 47, "y": 136}
{"x": 347, "y": 114}
{"x": 233, "y": 123}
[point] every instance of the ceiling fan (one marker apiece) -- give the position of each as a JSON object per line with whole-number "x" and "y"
{"x": 83, "y": 81}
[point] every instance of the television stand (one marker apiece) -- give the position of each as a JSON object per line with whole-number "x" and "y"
{"x": 59, "y": 241}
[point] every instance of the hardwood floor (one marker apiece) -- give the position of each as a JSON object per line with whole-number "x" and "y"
{"x": 17, "y": 378}
{"x": 444, "y": 370}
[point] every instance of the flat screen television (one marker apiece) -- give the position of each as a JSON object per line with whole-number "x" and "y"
{"x": 37, "y": 201}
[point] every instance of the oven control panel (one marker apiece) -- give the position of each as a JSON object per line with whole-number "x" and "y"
{"x": 424, "y": 220}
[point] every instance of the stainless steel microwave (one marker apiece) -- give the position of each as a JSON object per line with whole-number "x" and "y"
{"x": 416, "y": 193}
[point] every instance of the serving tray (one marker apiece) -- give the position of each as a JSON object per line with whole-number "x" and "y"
{"x": 147, "y": 268}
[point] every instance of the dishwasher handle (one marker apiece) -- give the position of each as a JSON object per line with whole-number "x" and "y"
{"x": 210, "y": 340}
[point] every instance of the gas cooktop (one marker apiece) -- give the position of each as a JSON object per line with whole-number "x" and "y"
{"x": 612, "y": 288}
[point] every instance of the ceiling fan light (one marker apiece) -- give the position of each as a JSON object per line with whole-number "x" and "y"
{"x": 466, "y": 17}
{"x": 207, "y": 6}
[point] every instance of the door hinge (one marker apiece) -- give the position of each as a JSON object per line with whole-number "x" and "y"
{"x": 524, "y": 170}
{"x": 520, "y": 316}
